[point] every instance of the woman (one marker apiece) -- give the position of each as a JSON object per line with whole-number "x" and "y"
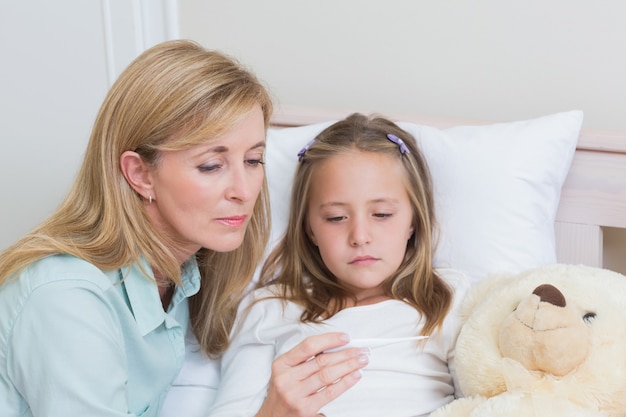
{"x": 94, "y": 303}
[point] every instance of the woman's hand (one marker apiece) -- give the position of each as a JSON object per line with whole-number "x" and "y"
{"x": 305, "y": 378}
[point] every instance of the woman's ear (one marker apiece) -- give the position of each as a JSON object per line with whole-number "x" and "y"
{"x": 137, "y": 173}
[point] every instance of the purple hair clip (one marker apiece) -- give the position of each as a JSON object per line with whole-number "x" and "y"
{"x": 399, "y": 142}
{"x": 304, "y": 149}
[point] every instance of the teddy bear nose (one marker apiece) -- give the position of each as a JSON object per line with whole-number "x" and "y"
{"x": 550, "y": 294}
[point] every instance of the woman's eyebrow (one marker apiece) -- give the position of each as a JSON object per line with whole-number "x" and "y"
{"x": 217, "y": 149}
{"x": 223, "y": 148}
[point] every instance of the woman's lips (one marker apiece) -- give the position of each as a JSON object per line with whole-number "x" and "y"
{"x": 233, "y": 221}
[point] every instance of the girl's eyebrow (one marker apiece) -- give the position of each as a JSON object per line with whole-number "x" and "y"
{"x": 373, "y": 201}
{"x": 385, "y": 200}
{"x": 333, "y": 204}
{"x": 259, "y": 144}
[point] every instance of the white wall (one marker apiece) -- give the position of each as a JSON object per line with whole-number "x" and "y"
{"x": 57, "y": 60}
{"x": 484, "y": 59}
{"x": 490, "y": 60}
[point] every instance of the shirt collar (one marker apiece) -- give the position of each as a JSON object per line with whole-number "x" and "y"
{"x": 144, "y": 299}
{"x": 190, "y": 277}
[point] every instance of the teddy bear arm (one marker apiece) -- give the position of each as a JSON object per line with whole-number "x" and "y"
{"x": 461, "y": 407}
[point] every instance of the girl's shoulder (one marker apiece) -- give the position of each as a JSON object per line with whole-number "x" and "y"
{"x": 273, "y": 291}
{"x": 263, "y": 302}
{"x": 264, "y": 312}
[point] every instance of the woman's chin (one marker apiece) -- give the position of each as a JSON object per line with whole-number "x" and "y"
{"x": 225, "y": 245}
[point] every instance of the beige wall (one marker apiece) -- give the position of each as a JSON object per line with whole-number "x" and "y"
{"x": 57, "y": 60}
{"x": 487, "y": 59}
{"x": 490, "y": 60}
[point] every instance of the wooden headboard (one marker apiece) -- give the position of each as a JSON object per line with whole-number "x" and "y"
{"x": 593, "y": 196}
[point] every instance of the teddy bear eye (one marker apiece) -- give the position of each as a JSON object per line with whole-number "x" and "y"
{"x": 589, "y": 317}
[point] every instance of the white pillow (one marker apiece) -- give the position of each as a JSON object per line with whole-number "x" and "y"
{"x": 497, "y": 187}
{"x": 281, "y": 159}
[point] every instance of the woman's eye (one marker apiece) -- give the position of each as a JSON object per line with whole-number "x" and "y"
{"x": 255, "y": 162}
{"x": 209, "y": 168}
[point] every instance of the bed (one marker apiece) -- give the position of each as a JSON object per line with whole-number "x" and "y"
{"x": 592, "y": 192}
{"x": 588, "y": 194}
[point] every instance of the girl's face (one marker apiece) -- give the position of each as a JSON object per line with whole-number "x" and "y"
{"x": 360, "y": 219}
{"x": 204, "y": 196}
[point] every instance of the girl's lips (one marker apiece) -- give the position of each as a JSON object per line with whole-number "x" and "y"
{"x": 363, "y": 260}
{"x": 233, "y": 221}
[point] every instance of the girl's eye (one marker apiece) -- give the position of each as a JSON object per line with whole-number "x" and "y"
{"x": 382, "y": 215}
{"x": 335, "y": 219}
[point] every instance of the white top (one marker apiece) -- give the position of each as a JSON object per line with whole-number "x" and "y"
{"x": 193, "y": 391}
{"x": 401, "y": 379}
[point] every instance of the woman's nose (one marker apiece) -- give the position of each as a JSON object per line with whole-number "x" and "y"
{"x": 242, "y": 185}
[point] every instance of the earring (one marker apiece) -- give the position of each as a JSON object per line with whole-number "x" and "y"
{"x": 150, "y": 199}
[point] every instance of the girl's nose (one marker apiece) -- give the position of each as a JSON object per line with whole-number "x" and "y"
{"x": 360, "y": 233}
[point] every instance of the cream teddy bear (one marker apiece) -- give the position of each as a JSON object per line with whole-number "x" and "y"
{"x": 547, "y": 342}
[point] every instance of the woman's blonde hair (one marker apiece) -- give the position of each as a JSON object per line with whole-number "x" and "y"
{"x": 296, "y": 264}
{"x": 173, "y": 96}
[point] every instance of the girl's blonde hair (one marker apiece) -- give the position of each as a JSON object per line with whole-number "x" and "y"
{"x": 296, "y": 264}
{"x": 173, "y": 96}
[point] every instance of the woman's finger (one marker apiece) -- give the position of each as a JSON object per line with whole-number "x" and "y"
{"x": 327, "y": 368}
{"x": 305, "y": 378}
{"x": 329, "y": 392}
{"x": 307, "y": 361}
{"x": 327, "y": 378}
{"x": 303, "y": 367}
{"x": 312, "y": 346}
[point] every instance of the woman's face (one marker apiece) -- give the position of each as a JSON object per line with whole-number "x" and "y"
{"x": 203, "y": 197}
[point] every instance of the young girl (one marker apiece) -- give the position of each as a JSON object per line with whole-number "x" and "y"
{"x": 356, "y": 258}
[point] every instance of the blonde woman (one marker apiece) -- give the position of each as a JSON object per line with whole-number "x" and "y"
{"x": 170, "y": 201}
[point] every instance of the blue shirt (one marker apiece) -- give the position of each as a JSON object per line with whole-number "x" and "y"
{"x": 75, "y": 341}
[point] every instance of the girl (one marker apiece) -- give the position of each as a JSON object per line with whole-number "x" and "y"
{"x": 356, "y": 258}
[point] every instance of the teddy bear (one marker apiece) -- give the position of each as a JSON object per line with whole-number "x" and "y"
{"x": 550, "y": 341}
